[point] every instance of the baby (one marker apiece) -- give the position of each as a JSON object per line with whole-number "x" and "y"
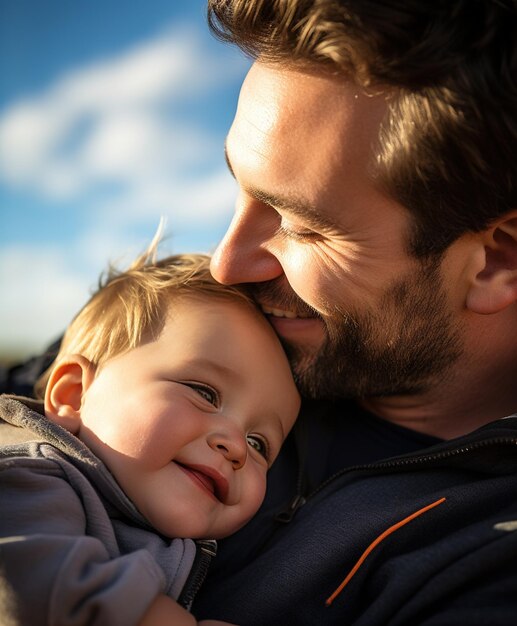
{"x": 166, "y": 405}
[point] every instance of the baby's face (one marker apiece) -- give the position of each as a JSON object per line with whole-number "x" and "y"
{"x": 190, "y": 423}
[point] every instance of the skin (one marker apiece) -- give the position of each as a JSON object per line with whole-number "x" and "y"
{"x": 188, "y": 423}
{"x": 326, "y": 253}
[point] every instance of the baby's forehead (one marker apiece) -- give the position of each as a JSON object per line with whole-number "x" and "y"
{"x": 233, "y": 332}
{"x": 197, "y": 296}
{"x": 185, "y": 302}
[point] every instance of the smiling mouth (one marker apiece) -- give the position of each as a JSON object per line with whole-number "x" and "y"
{"x": 208, "y": 479}
{"x": 267, "y": 310}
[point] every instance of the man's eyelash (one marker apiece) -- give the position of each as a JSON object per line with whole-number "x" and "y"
{"x": 297, "y": 235}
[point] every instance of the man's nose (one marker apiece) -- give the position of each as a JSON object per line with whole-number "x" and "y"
{"x": 244, "y": 255}
{"x": 232, "y": 445}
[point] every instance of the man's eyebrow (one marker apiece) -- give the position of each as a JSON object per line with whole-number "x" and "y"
{"x": 294, "y": 206}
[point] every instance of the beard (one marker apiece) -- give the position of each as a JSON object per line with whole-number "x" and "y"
{"x": 402, "y": 348}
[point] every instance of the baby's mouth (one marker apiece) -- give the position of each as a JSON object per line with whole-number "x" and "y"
{"x": 209, "y": 478}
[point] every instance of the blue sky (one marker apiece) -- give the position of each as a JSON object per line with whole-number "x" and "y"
{"x": 112, "y": 114}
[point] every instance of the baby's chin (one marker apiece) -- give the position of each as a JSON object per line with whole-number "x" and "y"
{"x": 218, "y": 533}
{"x": 186, "y": 529}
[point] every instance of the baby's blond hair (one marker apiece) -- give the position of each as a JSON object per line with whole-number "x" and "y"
{"x": 130, "y": 307}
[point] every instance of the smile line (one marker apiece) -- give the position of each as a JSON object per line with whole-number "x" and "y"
{"x": 209, "y": 479}
{"x": 282, "y": 313}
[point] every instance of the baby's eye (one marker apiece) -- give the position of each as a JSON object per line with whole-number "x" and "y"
{"x": 206, "y": 392}
{"x": 258, "y": 443}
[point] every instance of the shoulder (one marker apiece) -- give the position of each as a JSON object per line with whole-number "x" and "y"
{"x": 18, "y": 418}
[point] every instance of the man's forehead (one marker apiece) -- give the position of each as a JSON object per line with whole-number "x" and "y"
{"x": 285, "y": 110}
{"x": 275, "y": 92}
{"x": 301, "y": 130}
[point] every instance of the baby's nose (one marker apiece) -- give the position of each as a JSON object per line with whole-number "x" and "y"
{"x": 232, "y": 446}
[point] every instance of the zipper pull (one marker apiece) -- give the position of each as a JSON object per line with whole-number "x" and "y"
{"x": 286, "y": 516}
{"x": 206, "y": 549}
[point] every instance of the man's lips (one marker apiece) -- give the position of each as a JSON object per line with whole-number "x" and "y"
{"x": 274, "y": 312}
{"x": 295, "y": 325}
{"x": 207, "y": 478}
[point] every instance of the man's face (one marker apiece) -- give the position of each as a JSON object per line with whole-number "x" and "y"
{"x": 322, "y": 247}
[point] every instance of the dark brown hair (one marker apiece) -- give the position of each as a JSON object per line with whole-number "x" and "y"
{"x": 447, "y": 146}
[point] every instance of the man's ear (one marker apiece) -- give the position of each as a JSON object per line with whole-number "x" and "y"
{"x": 67, "y": 384}
{"x": 495, "y": 285}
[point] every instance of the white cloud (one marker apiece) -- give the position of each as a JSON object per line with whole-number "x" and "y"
{"x": 51, "y": 293}
{"x": 103, "y": 142}
{"x": 113, "y": 120}
{"x": 136, "y": 146}
{"x": 29, "y": 133}
{"x": 42, "y": 287}
{"x": 102, "y": 247}
{"x": 200, "y": 203}
{"x": 174, "y": 64}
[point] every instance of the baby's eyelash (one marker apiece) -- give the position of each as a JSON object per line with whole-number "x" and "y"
{"x": 260, "y": 444}
{"x": 205, "y": 391}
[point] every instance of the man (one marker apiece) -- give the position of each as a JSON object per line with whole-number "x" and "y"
{"x": 376, "y": 225}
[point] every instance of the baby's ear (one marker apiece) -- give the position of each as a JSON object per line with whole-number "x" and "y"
{"x": 66, "y": 386}
{"x": 495, "y": 285}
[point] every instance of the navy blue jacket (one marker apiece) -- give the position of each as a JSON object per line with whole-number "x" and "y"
{"x": 423, "y": 538}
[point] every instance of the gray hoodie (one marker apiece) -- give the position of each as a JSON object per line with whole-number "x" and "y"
{"x": 73, "y": 548}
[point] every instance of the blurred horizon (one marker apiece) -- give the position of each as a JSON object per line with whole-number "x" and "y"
{"x": 112, "y": 115}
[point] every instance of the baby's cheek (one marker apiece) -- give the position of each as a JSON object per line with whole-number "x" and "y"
{"x": 256, "y": 490}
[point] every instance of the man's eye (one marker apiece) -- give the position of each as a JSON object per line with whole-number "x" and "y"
{"x": 206, "y": 392}
{"x": 299, "y": 235}
{"x": 259, "y": 444}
